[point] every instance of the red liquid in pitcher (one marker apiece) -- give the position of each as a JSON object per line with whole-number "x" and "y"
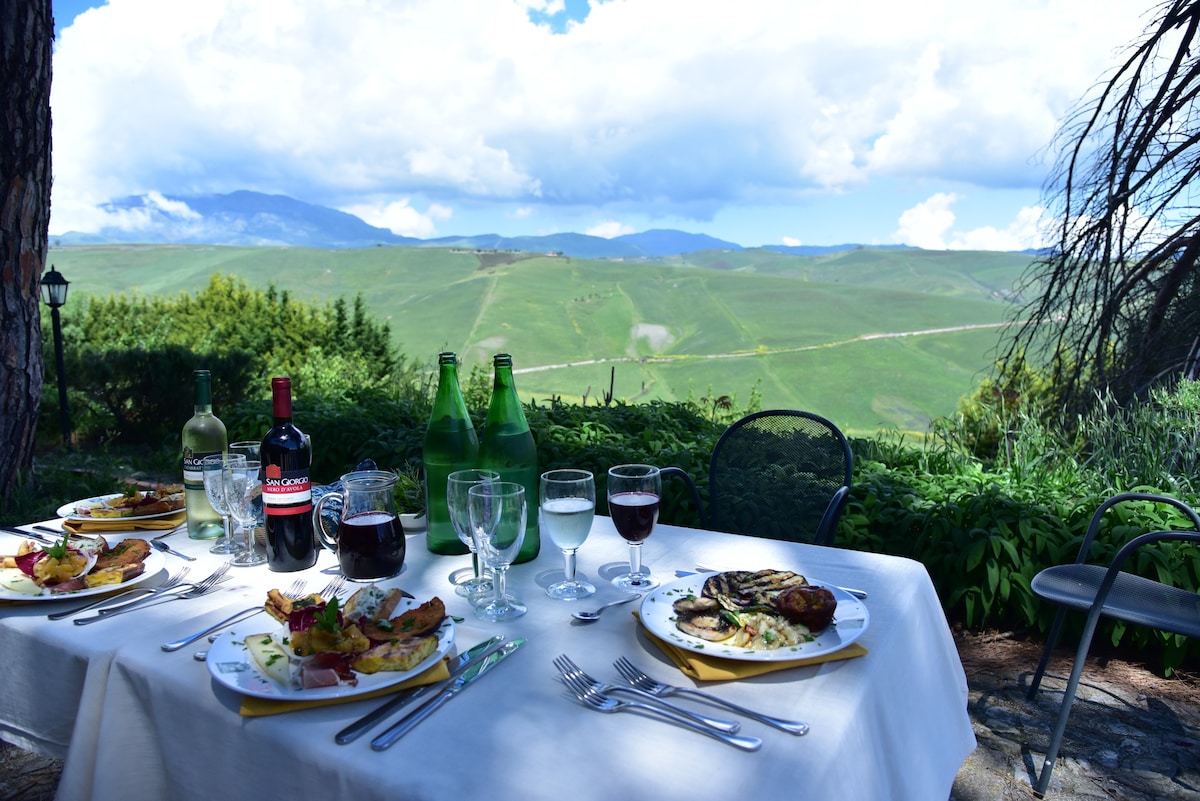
{"x": 370, "y": 546}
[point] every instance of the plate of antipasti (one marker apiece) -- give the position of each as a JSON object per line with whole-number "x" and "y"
{"x": 754, "y": 615}
{"x": 129, "y": 504}
{"x": 76, "y": 568}
{"x": 317, "y": 648}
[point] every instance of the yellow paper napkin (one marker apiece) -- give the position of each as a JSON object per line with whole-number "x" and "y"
{"x": 705, "y": 667}
{"x": 124, "y": 524}
{"x": 253, "y": 707}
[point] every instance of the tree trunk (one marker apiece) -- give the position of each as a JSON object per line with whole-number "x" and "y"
{"x": 26, "y": 37}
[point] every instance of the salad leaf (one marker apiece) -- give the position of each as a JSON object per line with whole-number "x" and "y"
{"x": 330, "y": 618}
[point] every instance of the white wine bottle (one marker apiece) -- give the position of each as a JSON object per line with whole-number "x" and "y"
{"x": 203, "y": 435}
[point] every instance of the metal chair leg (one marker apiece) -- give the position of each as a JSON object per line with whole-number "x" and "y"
{"x": 1051, "y": 641}
{"x": 1060, "y": 726}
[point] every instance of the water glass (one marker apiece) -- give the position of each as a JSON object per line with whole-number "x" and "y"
{"x": 634, "y": 491}
{"x": 244, "y": 495}
{"x": 458, "y": 483}
{"x": 567, "y": 506}
{"x": 217, "y": 478}
{"x": 497, "y": 512}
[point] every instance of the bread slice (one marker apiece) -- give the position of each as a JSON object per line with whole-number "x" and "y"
{"x": 372, "y": 602}
{"x": 397, "y": 655}
{"x": 279, "y": 606}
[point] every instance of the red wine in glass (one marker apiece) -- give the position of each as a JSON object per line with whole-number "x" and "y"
{"x": 634, "y": 514}
{"x": 634, "y": 491}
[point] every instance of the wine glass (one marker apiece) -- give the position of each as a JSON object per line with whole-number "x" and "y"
{"x": 568, "y": 504}
{"x": 244, "y": 495}
{"x": 457, "y": 485}
{"x": 250, "y": 449}
{"x": 497, "y": 511}
{"x": 634, "y": 491}
{"x": 216, "y": 487}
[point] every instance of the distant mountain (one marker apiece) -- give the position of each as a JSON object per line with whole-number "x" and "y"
{"x": 255, "y": 219}
{"x": 239, "y": 218}
{"x": 665, "y": 242}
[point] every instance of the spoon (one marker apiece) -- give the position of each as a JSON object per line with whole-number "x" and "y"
{"x": 589, "y": 617}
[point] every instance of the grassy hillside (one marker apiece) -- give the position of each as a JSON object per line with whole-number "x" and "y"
{"x": 870, "y": 338}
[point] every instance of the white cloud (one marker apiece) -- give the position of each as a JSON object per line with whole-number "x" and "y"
{"x": 609, "y": 229}
{"x": 401, "y": 218}
{"x": 670, "y": 108}
{"x": 930, "y": 225}
{"x": 792, "y": 242}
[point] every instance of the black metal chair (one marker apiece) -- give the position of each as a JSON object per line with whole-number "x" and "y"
{"x": 1107, "y": 590}
{"x": 781, "y": 474}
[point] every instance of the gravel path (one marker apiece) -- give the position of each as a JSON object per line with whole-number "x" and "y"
{"x": 1132, "y": 735}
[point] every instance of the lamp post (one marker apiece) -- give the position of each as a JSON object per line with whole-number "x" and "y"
{"x": 54, "y": 295}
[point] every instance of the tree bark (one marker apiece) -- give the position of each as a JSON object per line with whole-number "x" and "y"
{"x": 26, "y": 37}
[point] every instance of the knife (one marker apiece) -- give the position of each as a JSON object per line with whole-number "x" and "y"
{"x": 20, "y": 532}
{"x": 62, "y": 531}
{"x": 409, "y": 721}
{"x": 403, "y": 697}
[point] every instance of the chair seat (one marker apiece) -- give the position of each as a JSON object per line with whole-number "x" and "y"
{"x": 1132, "y": 598}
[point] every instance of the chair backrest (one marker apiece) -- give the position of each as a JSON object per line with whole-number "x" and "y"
{"x": 781, "y": 474}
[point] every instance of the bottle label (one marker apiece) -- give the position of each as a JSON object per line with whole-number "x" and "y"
{"x": 193, "y": 468}
{"x": 286, "y": 492}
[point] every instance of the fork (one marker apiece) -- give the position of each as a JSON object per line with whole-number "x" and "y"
{"x": 172, "y": 581}
{"x": 568, "y": 668}
{"x": 590, "y": 697}
{"x": 295, "y": 591}
{"x": 201, "y": 588}
{"x": 642, "y": 681}
{"x": 334, "y": 587}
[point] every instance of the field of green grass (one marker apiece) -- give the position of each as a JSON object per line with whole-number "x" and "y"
{"x": 872, "y": 338}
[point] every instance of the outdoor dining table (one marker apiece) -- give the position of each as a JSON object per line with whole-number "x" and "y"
{"x": 134, "y": 722}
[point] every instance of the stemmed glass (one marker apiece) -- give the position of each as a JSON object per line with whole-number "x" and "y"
{"x": 250, "y": 449}
{"x": 634, "y": 491}
{"x": 497, "y": 511}
{"x": 568, "y": 504}
{"x": 216, "y": 486}
{"x": 244, "y": 495}
{"x": 457, "y": 485}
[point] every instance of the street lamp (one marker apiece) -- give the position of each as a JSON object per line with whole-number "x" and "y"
{"x": 54, "y": 295}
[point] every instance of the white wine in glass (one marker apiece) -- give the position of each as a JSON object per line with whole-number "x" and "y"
{"x": 568, "y": 505}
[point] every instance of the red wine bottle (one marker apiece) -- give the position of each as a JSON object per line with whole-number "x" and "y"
{"x": 286, "y": 487}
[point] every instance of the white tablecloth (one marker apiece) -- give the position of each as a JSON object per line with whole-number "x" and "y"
{"x": 134, "y": 722}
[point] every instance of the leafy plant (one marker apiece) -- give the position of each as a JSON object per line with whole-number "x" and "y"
{"x": 410, "y": 489}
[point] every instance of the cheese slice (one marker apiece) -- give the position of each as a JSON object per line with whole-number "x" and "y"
{"x": 271, "y": 658}
{"x": 14, "y": 580}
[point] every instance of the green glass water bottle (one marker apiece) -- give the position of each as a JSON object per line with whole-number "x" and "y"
{"x": 450, "y": 444}
{"x": 507, "y": 447}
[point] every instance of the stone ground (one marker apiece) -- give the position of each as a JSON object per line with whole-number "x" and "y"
{"x": 1132, "y": 735}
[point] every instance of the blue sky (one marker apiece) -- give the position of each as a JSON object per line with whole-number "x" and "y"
{"x": 763, "y": 122}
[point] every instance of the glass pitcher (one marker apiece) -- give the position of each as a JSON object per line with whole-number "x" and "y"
{"x": 368, "y": 540}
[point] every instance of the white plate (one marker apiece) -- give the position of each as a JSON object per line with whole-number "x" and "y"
{"x": 154, "y": 562}
{"x": 67, "y": 510}
{"x": 658, "y": 616}
{"x": 231, "y": 665}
